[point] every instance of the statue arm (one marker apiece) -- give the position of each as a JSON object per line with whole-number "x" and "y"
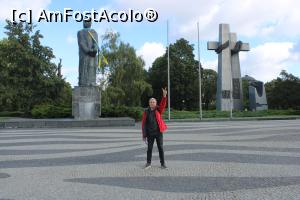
{"x": 237, "y": 47}
{"x": 82, "y": 44}
{"x": 222, "y": 47}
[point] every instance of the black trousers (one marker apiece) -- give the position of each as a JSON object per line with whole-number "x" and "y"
{"x": 159, "y": 141}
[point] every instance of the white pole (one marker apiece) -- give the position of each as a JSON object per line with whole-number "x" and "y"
{"x": 231, "y": 98}
{"x": 169, "y": 92}
{"x": 200, "y": 92}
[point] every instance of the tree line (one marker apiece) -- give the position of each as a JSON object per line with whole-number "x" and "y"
{"x": 29, "y": 77}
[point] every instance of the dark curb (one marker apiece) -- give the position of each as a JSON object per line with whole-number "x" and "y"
{"x": 66, "y": 123}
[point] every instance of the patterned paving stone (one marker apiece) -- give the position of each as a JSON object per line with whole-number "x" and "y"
{"x": 208, "y": 160}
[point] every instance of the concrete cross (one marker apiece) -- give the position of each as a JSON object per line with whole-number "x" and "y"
{"x": 229, "y": 73}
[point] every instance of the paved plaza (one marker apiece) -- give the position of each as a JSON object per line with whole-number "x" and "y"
{"x": 209, "y": 160}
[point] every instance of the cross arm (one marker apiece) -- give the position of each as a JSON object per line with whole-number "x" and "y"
{"x": 212, "y": 45}
{"x": 242, "y": 46}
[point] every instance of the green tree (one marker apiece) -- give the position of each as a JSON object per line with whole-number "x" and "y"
{"x": 183, "y": 76}
{"x": 126, "y": 78}
{"x": 209, "y": 88}
{"x": 28, "y": 75}
{"x": 284, "y": 92}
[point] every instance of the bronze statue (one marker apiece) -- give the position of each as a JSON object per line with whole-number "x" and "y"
{"x": 88, "y": 48}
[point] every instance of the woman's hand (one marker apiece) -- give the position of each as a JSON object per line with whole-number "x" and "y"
{"x": 165, "y": 92}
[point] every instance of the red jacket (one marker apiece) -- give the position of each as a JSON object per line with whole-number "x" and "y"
{"x": 158, "y": 112}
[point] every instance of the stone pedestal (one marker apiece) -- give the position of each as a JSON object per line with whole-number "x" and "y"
{"x": 86, "y": 102}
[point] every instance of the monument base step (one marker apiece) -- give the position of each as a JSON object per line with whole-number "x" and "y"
{"x": 66, "y": 123}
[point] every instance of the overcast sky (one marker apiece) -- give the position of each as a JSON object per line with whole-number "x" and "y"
{"x": 272, "y": 27}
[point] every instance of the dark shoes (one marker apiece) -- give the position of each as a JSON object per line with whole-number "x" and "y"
{"x": 163, "y": 166}
{"x": 147, "y": 166}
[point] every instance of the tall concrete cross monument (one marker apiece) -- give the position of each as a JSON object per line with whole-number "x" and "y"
{"x": 86, "y": 96}
{"x": 229, "y": 72}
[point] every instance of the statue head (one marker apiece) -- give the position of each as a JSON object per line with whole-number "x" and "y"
{"x": 87, "y": 23}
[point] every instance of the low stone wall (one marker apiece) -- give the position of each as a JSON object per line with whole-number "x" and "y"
{"x": 66, "y": 123}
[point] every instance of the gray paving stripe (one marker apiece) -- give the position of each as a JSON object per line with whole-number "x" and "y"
{"x": 238, "y": 123}
{"x": 124, "y": 156}
{"x": 275, "y": 138}
{"x": 214, "y": 160}
{"x": 234, "y": 127}
{"x": 72, "y": 131}
{"x": 229, "y": 131}
{"x": 228, "y": 147}
{"x": 257, "y": 132}
{"x": 4, "y": 175}
{"x": 283, "y": 137}
{"x": 52, "y": 151}
{"x": 236, "y": 158}
{"x": 58, "y": 136}
{"x": 186, "y": 184}
{"x": 254, "y": 131}
{"x": 59, "y": 142}
{"x": 134, "y": 155}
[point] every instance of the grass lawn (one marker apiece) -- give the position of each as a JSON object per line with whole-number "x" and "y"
{"x": 136, "y": 113}
{"x": 3, "y": 118}
{"x": 176, "y": 114}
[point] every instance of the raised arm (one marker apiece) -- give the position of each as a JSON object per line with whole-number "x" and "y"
{"x": 163, "y": 101}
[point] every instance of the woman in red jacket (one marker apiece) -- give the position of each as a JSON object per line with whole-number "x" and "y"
{"x": 153, "y": 127}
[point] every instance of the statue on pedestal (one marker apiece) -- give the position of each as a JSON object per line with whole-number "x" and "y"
{"x": 86, "y": 96}
{"x": 88, "y": 48}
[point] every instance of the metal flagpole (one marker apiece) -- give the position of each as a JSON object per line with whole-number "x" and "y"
{"x": 169, "y": 92}
{"x": 200, "y": 92}
{"x": 231, "y": 98}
